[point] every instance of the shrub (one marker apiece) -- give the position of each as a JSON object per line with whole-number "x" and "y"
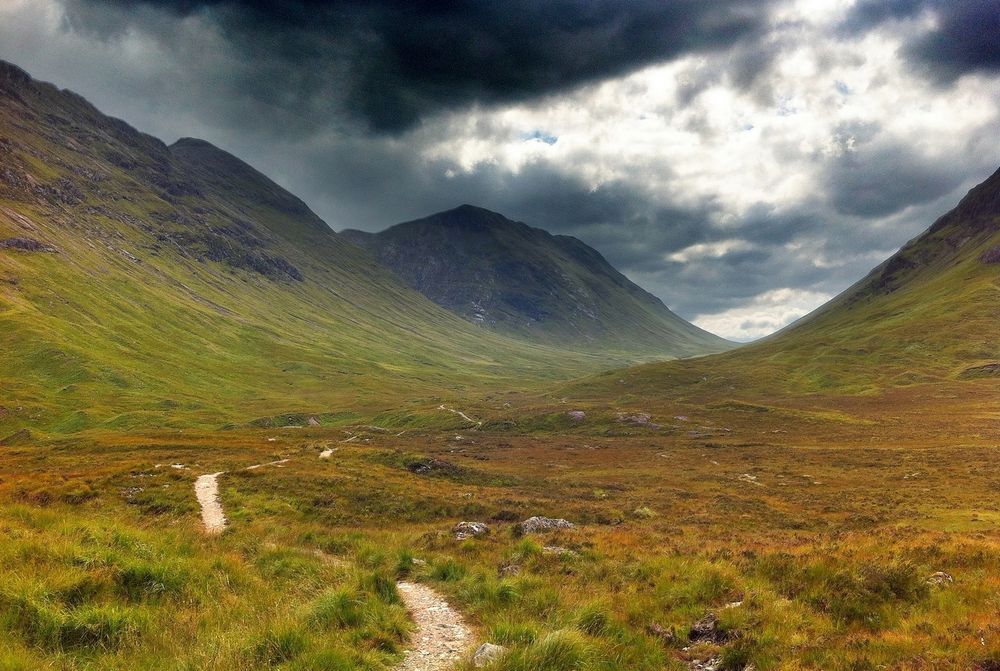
{"x": 338, "y": 609}
{"x": 593, "y": 619}
{"x": 559, "y": 651}
{"x": 511, "y": 632}
{"x": 404, "y": 565}
{"x": 382, "y": 587}
{"x": 282, "y": 645}
{"x": 104, "y": 626}
{"x": 139, "y": 582}
{"x": 448, "y": 570}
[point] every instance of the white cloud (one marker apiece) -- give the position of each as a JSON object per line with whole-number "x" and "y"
{"x": 710, "y": 250}
{"x": 763, "y": 314}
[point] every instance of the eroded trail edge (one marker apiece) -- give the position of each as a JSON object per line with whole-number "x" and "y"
{"x": 441, "y": 636}
{"x": 206, "y": 490}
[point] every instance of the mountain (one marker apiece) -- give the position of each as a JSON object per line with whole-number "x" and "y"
{"x": 930, "y": 313}
{"x": 151, "y": 285}
{"x": 524, "y": 281}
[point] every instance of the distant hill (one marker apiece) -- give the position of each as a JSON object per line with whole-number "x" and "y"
{"x": 151, "y": 285}
{"x": 524, "y": 281}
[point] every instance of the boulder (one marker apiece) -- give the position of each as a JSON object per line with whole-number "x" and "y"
{"x": 486, "y": 654}
{"x": 464, "y": 530}
{"x": 536, "y": 524}
{"x": 577, "y": 415}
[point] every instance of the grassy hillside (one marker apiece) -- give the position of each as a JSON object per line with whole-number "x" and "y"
{"x": 523, "y": 281}
{"x": 931, "y": 313}
{"x": 145, "y": 285}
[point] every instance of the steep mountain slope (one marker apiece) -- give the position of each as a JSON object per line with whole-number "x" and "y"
{"x": 520, "y": 280}
{"x": 929, "y": 313}
{"x": 142, "y": 284}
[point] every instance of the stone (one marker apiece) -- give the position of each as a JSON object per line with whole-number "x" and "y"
{"x": 486, "y": 654}
{"x": 464, "y": 530}
{"x": 707, "y": 629}
{"x": 577, "y": 415}
{"x": 536, "y": 524}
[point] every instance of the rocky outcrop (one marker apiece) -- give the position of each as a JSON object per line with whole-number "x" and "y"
{"x": 27, "y": 245}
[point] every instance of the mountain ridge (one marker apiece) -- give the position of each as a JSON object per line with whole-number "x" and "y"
{"x": 190, "y": 289}
{"x": 525, "y": 281}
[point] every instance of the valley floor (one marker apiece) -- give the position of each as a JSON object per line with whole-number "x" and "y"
{"x": 815, "y": 533}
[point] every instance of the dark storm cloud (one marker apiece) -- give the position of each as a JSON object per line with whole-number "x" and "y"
{"x": 882, "y": 181}
{"x": 395, "y": 62}
{"x": 965, "y": 37}
{"x": 296, "y": 89}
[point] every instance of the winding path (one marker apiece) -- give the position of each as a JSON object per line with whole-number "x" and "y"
{"x": 461, "y": 414}
{"x": 441, "y": 637}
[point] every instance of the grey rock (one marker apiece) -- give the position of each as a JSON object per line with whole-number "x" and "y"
{"x": 464, "y": 530}
{"x": 940, "y": 578}
{"x": 536, "y": 524}
{"x": 486, "y": 654}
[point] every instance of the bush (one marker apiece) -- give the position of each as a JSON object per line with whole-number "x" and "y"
{"x": 90, "y": 626}
{"x": 105, "y": 627}
{"x": 510, "y": 632}
{"x": 404, "y": 565}
{"x": 448, "y": 570}
{"x": 139, "y": 582}
{"x": 382, "y": 587}
{"x": 338, "y": 609}
{"x": 277, "y": 647}
{"x": 558, "y": 651}
{"x": 593, "y": 620}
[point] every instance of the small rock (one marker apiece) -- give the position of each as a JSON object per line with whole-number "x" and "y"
{"x": 486, "y": 654}
{"x": 536, "y": 524}
{"x": 711, "y": 664}
{"x": 638, "y": 419}
{"x": 313, "y": 421}
{"x": 707, "y": 629}
{"x": 464, "y": 530}
{"x": 940, "y": 578}
{"x": 577, "y": 415}
{"x": 559, "y": 550}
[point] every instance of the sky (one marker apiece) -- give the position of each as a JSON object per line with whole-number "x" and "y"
{"x": 744, "y": 160}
